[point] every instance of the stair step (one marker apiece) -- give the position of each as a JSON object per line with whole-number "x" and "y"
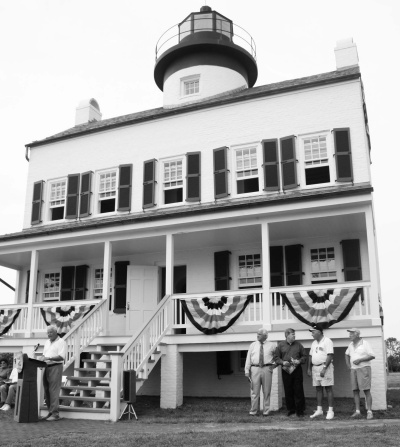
{"x": 96, "y": 360}
{"x": 85, "y": 388}
{"x": 93, "y": 369}
{"x": 97, "y": 352}
{"x": 86, "y": 398}
{"x": 88, "y": 378}
{"x": 83, "y": 409}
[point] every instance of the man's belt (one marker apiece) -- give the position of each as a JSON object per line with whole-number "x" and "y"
{"x": 53, "y": 364}
{"x": 267, "y": 364}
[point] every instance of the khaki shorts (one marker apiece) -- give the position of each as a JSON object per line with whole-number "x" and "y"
{"x": 361, "y": 378}
{"x": 327, "y": 380}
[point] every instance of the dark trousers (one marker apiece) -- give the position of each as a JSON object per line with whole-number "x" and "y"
{"x": 294, "y": 393}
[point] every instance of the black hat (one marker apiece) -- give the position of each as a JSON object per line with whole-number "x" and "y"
{"x": 316, "y": 327}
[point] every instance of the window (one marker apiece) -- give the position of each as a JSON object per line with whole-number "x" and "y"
{"x": 250, "y": 273}
{"x": 242, "y": 360}
{"x": 190, "y": 86}
{"x": 323, "y": 265}
{"x": 107, "y": 191}
{"x": 51, "y": 286}
{"x": 57, "y": 199}
{"x": 316, "y": 160}
{"x": 114, "y": 189}
{"x": 173, "y": 181}
{"x": 98, "y": 283}
{"x": 246, "y": 170}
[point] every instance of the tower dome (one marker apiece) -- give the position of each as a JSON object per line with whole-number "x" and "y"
{"x": 204, "y": 55}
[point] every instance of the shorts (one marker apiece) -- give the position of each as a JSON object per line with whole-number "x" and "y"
{"x": 361, "y": 378}
{"x": 327, "y": 380}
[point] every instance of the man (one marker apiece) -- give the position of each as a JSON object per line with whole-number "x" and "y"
{"x": 358, "y": 359}
{"x": 320, "y": 367}
{"x": 258, "y": 369}
{"x": 291, "y": 354}
{"x": 8, "y": 390}
{"x": 54, "y": 353}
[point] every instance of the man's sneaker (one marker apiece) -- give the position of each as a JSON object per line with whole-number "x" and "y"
{"x": 356, "y": 415}
{"x": 253, "y": 413}
{"x": 370, "y": 415}
{"x": 53, "y": 418}
{"x": 6, "y": 407}
{"x": 330, "y": 415}
{"x": 316, "y": 414}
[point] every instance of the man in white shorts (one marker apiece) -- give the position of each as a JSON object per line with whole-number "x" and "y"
{"x": 320, "y": 367}
{"x": 358, "y": 359}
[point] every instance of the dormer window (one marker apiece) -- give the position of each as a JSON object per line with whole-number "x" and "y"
{"x": 57, "y": 199}
{"x": 190, "y": 86}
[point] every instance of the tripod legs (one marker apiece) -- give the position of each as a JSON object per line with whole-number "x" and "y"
{"x": 129, "y": 410}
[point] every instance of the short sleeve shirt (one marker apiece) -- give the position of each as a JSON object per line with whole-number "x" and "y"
{"x": 57, "y": 348}
{"x": 320, "y": 350}
{"x": 362, "y": 350}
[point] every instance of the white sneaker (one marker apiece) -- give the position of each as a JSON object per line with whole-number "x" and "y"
{"x": 6, "y": 407}
{"x": 316, "y": 414}
{"x": 330, "y": 415}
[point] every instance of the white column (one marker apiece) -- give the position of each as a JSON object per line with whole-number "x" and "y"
{"x": 107, "y": 264}
{"x": 115, "y": 385}
{"x": 32, "y": 291}
{"x": 171, "y": 377}
{"x": 169, "y": 263}
{"x": 373, "y": 267}
{"x": 276, "y": 390}
{"x": 266, "y": 275}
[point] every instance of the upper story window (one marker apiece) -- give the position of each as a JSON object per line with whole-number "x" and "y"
{"x": 58, "y": 190}
{"x": 190, "y": 86}
{"x": 107, "y": 191}
{"x": 323, "y": 265}
{"x": 173, "y": 181}
{"x": 316, "y": 161}
{"x": 250, "y": 273}
{"x": 246, "y": 170}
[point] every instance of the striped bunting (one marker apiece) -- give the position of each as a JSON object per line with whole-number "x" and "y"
{"x": 215, "y": 315}
{"x": 7, "y": 318}
{"x": 63, "y": 317}
{"x": 322, "y": 307}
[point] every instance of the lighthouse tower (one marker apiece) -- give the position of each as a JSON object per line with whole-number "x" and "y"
{"x": 204, "y": 56}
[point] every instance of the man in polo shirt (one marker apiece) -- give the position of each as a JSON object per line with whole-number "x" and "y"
{"x": 358, "y": 359}
{"x": 258, "y": 369}
{"x": 320, "y": 367}
{"x": 54, "y": 353}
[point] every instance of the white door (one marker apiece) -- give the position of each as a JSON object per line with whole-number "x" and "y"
{"x": 142, "y": 296}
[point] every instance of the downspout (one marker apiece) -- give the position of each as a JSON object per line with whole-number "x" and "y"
{"x": 26, "y": 153}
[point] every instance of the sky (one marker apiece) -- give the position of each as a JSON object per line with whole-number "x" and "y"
{"x": 55, "y": 53}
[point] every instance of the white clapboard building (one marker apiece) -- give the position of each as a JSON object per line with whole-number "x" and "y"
{"x": 170, "y": 236}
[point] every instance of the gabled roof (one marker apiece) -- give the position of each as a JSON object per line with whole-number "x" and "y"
{"x": 231, "y": 97}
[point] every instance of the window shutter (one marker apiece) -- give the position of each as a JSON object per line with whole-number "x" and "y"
{"x": 125, "y": 188}
{"x": 67, "y": 283}
{"x": 271, "y": 165}
{"x": 37, "y": 202}
{"x": 288, "y": 163}
{"x": 224, "y": 363}
{"x": 276, "y": 266}
{"x": 28, "y": 278}
{"x": 80, "y": 282}
{"x": 193, "y": 183}
{"x": 221, "y": 270}
{"x": 72, "y": 196}
{"x": 149, "y": 175}
{"x": 344, "y": 168}
{"x": 294, "y": 273}
{"x": 86, "y": 192}
{"x": 220, "y": 173}
{"x": 121, "y": 269}
{"x": 351, "y": 260}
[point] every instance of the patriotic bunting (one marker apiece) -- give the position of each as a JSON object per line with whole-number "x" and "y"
{"x": 63, "y": 317}
{"x": 322, "y": 307}
{"x": 215, "y": 315}
{"x": 7, "y": 318}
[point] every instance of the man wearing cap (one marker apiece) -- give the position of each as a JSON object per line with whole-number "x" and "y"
{"x": 320, "y": 367}
{"x": 358, "y": 359}
{"x": 258, "y": 369}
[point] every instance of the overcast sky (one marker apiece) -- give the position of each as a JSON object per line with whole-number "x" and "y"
{"x": 54, "y": 53}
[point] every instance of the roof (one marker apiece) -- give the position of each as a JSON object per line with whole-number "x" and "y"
{"x": 190, "y": 210}
{"x": 228, "y": 98}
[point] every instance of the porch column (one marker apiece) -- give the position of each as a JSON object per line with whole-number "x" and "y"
{"x": 266, "y": 275}
{"x": 373, "y": 267}
{"x": 32, "y": 292}
{"x": 107, "y": 263}
{"x": 171, "y": 377}
{"x": 276, "y": 390}
{"x": 169, "y": 265}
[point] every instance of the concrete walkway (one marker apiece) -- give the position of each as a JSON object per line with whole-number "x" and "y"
{"x": 11, "y": 431}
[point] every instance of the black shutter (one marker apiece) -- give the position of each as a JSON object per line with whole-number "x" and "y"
{"x": 271, "y": 165}
{"x": 37, "y": 202}
{"x": 221, "y": 270}
{"x": 294, "y": 273}
{"x": 125, "y": 188}
{"x": 193, "y": 183}
{"x": 288, "y": 163}
{"x": 28, "y": 278}
{"x": 67, "y": 283}
{"x": 72, "y": 196}
{"x": 86, "y": 192}
{"x": 149, "y": 175}
{"x": 277, "y": 273}
{"x": 80, "y": 282}
{"x": 220, "y": 173}
{"x": 351, "y": 260}
{"x": 224, "y": 363}
{"x": 344, "y": 168}
{"x": 121, "y": 269}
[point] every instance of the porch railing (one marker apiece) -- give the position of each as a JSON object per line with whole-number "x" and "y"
{"x": 20, "y": 324}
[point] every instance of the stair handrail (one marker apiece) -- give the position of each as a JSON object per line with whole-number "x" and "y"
{"x": 81, "y": 335}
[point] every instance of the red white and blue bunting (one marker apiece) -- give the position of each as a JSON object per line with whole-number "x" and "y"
{"x": 7, "y": 318}
{"x": 64, "y": 317}
{"x": 215, "y": 315}
{"x": 322, "y": 307}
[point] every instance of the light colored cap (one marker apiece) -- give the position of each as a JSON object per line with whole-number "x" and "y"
{"x": 353, "y": 329}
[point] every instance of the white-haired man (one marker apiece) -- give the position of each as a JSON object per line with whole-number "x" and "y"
{"x": 258, "y": 369}
{"x": 358, "y": 360}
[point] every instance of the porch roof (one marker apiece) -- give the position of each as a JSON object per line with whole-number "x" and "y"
{"x": 190, "y": 210}
{"x": 226, "y": 98}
